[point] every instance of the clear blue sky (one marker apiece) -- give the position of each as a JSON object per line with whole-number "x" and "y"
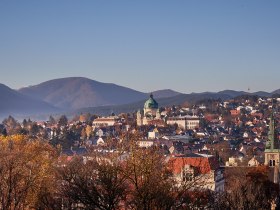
{"x": 188, "y": 46}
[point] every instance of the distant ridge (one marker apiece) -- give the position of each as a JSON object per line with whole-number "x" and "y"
{"x": 276, "y": 92}
{"x": 15, "y": 103}
{"x": 232, "y": 93}
{"x": 168, "y": 101}
{"x": 79, "y": 92}
{"x": 165, "y": 93}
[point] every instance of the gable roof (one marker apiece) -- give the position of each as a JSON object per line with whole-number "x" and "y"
{"x": 204, "y": 165}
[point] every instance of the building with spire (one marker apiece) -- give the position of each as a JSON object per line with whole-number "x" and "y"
{"x": 272, "y": 150}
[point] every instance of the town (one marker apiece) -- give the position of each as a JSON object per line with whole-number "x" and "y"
{"x": 218, "y": 154}
{"x": 139, "y": 105}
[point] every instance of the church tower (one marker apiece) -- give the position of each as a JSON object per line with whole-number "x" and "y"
{"x": 158, "y": 116}
{"x": 272, "y": 150}
{"x": 139, "y": 118}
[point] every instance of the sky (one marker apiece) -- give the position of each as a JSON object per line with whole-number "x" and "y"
{"x": 185, "y": 45}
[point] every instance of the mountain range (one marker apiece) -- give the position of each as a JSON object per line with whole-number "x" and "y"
{"x": 14, "y": 103}
{"x": 78, "y": 94}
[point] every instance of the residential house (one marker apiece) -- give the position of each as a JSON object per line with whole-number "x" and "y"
{"x": 200, "y": 171}
{"x": 153, "y": 134}
{"x": 106, "y": 121}
{"x": 253, "y": 162}
{"x": 184, "y": 122}
{"x": 145, "y": 143}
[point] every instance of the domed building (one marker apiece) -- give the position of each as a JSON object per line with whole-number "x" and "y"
{"x": 150, "y": 106}
{"x": 149, "y": 113}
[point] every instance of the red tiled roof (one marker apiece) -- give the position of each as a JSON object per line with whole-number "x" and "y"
{"x": 203, "y": 164}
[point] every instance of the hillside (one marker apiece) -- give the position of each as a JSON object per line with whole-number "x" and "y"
{"x": 169, "y": 101}
{"x": 166, "y": 93}
{"x": 14, "y": 103}
{"x": 78, "y": 92}
{"x": 234, "y": 93}
{"x": 276, "y": 92}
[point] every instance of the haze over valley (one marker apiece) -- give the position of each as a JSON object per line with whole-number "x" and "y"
{"x": 74, "y": 95}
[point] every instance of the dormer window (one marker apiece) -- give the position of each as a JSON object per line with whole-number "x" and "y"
{"x": 188, "y": 173}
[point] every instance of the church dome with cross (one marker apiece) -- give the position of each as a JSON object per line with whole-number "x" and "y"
{"x": 151, "y": 103}
{"x": 149, "y": 113}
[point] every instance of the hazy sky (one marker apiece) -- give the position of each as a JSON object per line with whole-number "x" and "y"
{"x": 188, "y": 46}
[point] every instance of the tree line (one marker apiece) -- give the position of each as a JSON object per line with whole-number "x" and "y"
{"x": 34, "y": 175}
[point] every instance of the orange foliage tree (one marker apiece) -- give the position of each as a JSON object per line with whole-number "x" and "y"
{"x": 25, "y": 167}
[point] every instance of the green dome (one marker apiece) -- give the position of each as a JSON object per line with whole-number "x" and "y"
{"x": 151, "y": 103}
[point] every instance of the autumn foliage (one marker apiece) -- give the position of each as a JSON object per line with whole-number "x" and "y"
{"x": 25, "y": 168}
{"x": 34, "y": 176}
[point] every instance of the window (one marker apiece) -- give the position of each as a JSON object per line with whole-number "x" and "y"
{"x": 187, "y": 177}
{"x": 188, "y": 173}
{"x": 271, "y": 162}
